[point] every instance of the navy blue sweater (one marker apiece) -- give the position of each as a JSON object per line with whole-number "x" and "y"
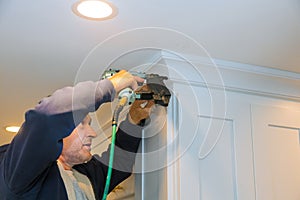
{"x": 28, "y": 165}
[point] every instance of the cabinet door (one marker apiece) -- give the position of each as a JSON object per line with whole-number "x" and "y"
{"x": 276, "y": 152}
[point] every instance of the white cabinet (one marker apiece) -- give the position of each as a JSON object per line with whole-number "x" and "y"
{"x": 252, "y": 152}
{"x": 234, "y": 139}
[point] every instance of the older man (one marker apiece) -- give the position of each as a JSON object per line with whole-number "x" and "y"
{"x": 50, "y": 156}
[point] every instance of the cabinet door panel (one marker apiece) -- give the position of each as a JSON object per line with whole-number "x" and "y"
{"x": 217, "y": 171}
{"x": 276, "y": 152}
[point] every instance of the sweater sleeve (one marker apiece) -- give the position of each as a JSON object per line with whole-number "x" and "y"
{"x": 39, "y": 141}
{"x": 86, "y": 96}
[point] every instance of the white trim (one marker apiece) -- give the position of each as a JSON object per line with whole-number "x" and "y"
{"x": 268, "y": 71}
{"x": 226, "y": 64}
{"x": 173, "y": 170}
{"x": 238, "y": 77}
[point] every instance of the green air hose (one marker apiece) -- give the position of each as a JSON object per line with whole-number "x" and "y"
{"x": 111, "y": 159}
{"x": 117, "y": 111}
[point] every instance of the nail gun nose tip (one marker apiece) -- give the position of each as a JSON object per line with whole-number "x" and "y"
{"x": 143, "y": 105}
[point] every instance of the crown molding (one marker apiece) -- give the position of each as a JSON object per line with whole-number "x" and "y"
{"x": 234, "y": 76}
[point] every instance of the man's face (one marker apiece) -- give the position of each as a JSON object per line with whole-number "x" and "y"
{"x": 77, "y": 146}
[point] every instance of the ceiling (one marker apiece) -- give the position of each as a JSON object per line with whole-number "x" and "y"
{"x": 44, "y": 45}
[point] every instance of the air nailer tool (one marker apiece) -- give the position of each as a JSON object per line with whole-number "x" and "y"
{"x": 157, "y": 88}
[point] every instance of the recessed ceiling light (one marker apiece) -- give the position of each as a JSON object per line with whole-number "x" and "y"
{"x": 13, "y": 129}
{"x": 95, "y": 9}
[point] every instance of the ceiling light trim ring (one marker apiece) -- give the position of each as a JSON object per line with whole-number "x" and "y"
{"x": 112, "y": 15}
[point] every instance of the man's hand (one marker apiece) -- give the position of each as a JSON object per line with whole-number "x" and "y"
{"x": 140, "y": 109}
{"x": 124, "y": 79}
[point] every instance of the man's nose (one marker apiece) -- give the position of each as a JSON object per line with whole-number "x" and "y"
{"x": 92, "y": 133}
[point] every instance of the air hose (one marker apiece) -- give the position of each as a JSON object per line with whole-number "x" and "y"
{"x": 115, "y": 119}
